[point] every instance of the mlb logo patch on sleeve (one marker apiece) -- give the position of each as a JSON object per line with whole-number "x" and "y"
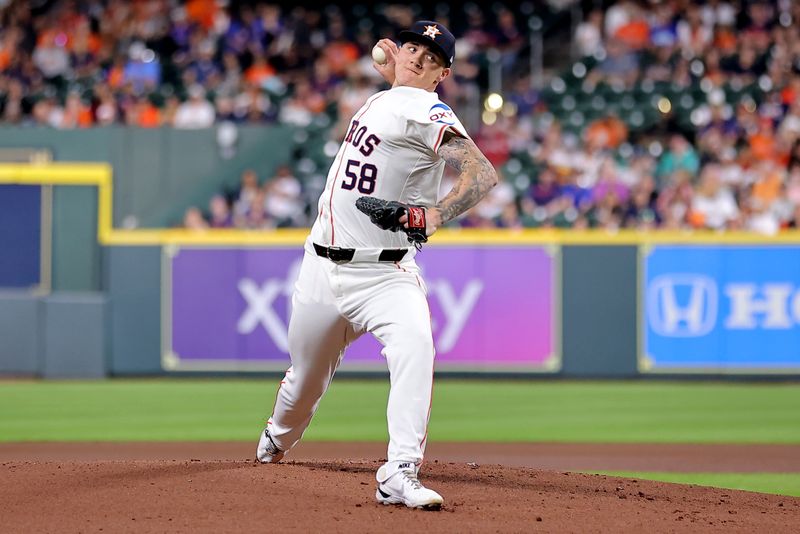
{"x": 442, "y": 113}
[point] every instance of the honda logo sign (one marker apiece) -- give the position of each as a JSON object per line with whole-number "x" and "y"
{"x": 682, "y": 305}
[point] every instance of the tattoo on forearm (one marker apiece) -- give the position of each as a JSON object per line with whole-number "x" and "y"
{"x": 476, "y": 176}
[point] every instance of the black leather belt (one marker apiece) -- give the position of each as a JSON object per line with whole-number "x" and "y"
{"x": 344, "y": 255}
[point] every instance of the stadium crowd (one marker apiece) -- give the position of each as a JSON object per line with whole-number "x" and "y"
{"x": 672, "y": 113}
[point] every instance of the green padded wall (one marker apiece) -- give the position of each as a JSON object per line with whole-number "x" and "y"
{"x": 599, "y": 311}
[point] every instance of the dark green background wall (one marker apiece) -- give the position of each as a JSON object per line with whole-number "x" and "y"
{"x": 158, "y": 173}
{"x": 134, "y": 291}
{"x": 599, "y": 310}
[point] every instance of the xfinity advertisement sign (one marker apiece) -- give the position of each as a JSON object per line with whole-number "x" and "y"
{"x": 491, "y": 308}
{"x": 721, "y": 308}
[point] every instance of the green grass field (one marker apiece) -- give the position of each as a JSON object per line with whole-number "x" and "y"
{"x": 505, "y": 411}
{"x": 780, "y": 483}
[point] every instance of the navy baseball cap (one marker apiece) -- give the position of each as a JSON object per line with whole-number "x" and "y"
{"x": 433, "y": 34}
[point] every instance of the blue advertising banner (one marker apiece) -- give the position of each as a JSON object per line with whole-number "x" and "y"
{"x": 20, "y": 235}
{"x": 721, "y": 308}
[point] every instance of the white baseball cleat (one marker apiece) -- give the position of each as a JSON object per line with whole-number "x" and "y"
{"x": 267, "y": 452}
{"x": 398, "y": 484}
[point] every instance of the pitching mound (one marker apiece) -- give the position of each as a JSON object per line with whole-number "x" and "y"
{"x": 338, "y": 496}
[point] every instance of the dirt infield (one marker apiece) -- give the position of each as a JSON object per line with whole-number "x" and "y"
{"x": 215, "y": 487}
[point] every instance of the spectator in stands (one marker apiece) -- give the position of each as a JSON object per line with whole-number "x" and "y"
{"x": 634, "y": 32}
{"x": 244, "y": 198}
{"x": 196, "y": 112}
{"x": 664, "y": 27}
{"x": 473, "y": 219}
{"x": 13, "y": 105}
{"x": 641, "y": 212}
{"x": 51, "y": 56}
{"x": 507, "y": 38}
{"x": 143, "y": 113}
{"x": 106, "y": 111}
{"x": 251, "y": 105}
{"x": 718, "y": 13}
{"x": 675, "y": 200}
{"x": 492, "y": 207}
{"x": 792, "y": 193}
{"x": 588, "y": 38}
{"x": 546, "y": 188}
{"x": 608, "y": 183}
{"x": 509, "y": 217}
{"x": 143, "y": 68}
{"x": 620, "y": 66}
{"x": 680, "y": 156}
{"x": 354, "y": 93}
{"x": 607, "y": 211}
{"x": 713, "y": 205}
{"x": 193, "y": 219}
{"x": 221, "y": 216}
{"x": 170, "y": 110}
{"x": 256, "y": 217}
{"x": 340, "y": 52}
{"x": 284, "y": 203}
{"x": 793, "y": 221}
{"x": 225, "y": 108}
{"x": 231, "y": 75}
{"x": 693, "y": 34}
{"x": 259, "y": 73}
{"x": 494, "y": 142}
{"x": 301, "y": 108}
{"x": 76, "y": 113}
{"x": 606, "y": 133}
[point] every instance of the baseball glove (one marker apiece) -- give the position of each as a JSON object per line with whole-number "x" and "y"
{"x": 386, "y": 215}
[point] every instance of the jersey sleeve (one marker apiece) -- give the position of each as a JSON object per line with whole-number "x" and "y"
{"x": 430, "y": 119}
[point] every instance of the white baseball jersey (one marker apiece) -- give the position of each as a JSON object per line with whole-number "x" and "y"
{"x": 389, "y": 152}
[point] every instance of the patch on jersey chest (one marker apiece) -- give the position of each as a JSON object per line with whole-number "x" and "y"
{"x": 442, "y": 113}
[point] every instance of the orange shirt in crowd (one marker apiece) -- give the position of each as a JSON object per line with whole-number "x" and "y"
{"x": 149, "y": 116}
{"x": 768, "y": 188}
{"x": 725, "y": 40}
{"x": 340, "y": 55}
{"x": 762, "y": 145}
{"x": 5, "y": 58}
{"x": 202, "y": 12}
{"x": 116, "y": 76}
{"x": 790, "y": 93}
{"x": 257, "y": 73}
{"x": 93, "y": 42}
{"x": 85, "y": 117}
{"x": 636, "y": 34}
{"x": 608, "y": 132}
{"x": 696, "y": 219}
{"x": 47, "y": 37}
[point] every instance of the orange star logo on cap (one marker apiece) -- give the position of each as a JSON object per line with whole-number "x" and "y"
{"x": 431, "y": 31}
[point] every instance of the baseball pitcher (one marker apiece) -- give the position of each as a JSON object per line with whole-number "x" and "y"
{"x": 359, "y": 275}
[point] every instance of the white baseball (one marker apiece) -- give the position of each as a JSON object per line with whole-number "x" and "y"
{"x": 379, "y": 55}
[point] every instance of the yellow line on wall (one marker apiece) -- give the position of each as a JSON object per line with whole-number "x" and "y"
{"x": 100, "y": 176}
{"x": 78, "y": 174}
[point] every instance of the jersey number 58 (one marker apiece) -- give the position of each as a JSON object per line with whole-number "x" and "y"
{"x": 360, "y": 175}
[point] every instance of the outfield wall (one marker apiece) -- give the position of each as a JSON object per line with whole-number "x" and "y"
{"x": 572, "y": 311}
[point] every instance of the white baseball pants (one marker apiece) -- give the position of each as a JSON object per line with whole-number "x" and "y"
{"x": 331, "y": 307}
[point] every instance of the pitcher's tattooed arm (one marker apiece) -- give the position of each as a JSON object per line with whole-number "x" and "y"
{"x": 476, "y": 176}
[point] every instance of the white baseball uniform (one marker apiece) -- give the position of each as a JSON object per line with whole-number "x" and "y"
{"x": 390, "y": 152}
